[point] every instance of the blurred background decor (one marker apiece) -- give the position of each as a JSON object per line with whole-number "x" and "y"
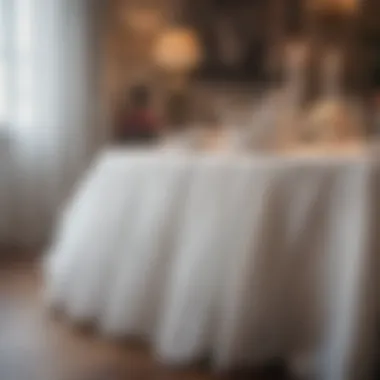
{"x": 177, "y": 52}
{"x": 136, "y": 120}
{"x": 234, "y": 49}
{"x": 233, "y": 35}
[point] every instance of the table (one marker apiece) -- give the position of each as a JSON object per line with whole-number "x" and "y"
{"x": 238, "y": 258}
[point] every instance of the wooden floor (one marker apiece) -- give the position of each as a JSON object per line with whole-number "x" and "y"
{"x": 36, "y": 346}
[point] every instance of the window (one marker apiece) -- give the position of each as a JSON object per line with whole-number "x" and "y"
{"x": 15, "y": 59}
{"x": 2, "y": 63}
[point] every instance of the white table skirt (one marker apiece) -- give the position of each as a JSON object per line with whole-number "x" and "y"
{"x": 240, "y": 259}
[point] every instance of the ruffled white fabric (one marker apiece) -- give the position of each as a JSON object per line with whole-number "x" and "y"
{"x": 236, "y": 258}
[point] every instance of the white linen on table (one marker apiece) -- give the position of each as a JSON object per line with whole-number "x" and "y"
{"x": 237, "y": 258}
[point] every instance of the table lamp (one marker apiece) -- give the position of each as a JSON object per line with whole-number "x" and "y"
{"x": 177, "y": 52}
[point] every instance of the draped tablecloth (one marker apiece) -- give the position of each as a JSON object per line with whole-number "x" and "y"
{"x": 236, "y": 258}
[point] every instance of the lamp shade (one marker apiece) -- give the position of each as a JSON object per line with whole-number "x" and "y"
{"x": 177, "y": 50}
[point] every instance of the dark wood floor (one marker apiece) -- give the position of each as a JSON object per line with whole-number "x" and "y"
{"x": 36, "y": 346}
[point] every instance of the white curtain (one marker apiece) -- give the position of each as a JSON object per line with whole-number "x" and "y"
{"x": 49, "y": 109}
